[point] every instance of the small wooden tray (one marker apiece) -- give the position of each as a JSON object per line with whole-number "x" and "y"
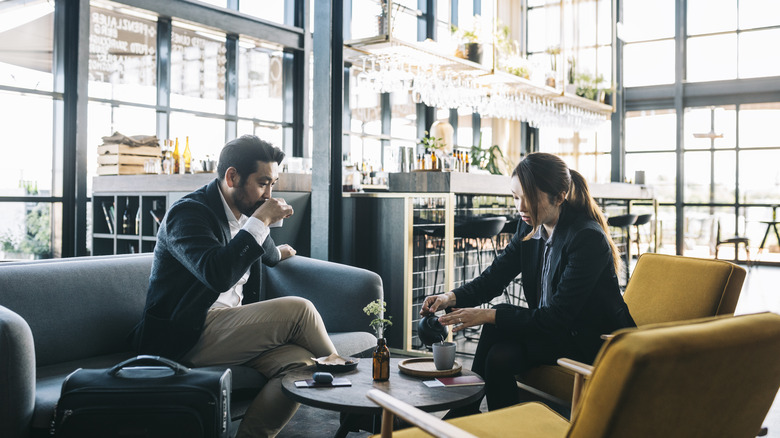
{"x": 424, "y": 367}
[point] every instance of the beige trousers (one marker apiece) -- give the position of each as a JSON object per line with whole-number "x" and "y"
{"x": 272, "y": 337}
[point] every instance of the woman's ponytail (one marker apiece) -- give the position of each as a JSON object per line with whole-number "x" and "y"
{"x": 579, "y": 197}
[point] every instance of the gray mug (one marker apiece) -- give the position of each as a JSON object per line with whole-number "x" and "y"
{"x": 444, "y": 355}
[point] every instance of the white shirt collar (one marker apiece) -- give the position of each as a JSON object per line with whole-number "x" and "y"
{"x": 542, "y": 233}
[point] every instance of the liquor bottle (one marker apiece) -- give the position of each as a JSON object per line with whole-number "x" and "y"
{"x": 467, "y": 162}
{"x": 381, "y": 361}
{"x": 177, "y": 158}
{"x": 167, "y": 163}
{"x": 126, "y": 221}
{"x": 187, "y": 156}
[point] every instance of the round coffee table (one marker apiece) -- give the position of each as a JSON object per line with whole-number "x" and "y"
{"x": 352, "y": 400}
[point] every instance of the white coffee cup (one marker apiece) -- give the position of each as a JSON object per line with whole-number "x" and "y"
{"x": 276, "y": 224}
{"x": 444, "y": 355}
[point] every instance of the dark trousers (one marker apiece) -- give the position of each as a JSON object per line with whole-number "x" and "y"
{"x": 500, "y": 356}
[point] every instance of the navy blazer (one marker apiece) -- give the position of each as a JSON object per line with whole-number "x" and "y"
{"x": 194, "y": 261}
{"x": 585, "y": 297}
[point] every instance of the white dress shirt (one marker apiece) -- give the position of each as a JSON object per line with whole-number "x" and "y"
{"x": 254, "y": 226}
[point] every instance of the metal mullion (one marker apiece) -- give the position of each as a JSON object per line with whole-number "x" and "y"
{"x": 679, "y": 106}
{"x": 302, "y": 79}
{"x": 53, "y": 94}
{"x": 617, "y": 149}
{"x": 264, "y": 122}
{"x": 163, "y": 111}
{"x": 231, "y": 86}
{"x": 328, "y": 104}
{"x": 38, "y": 199}
{"x": 74, "y": 156}
{"x": 386, "y": 116}
{"x": 290, "y": 106}
{"x": 224, "y": 19}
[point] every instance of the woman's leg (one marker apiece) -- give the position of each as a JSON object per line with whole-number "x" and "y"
{"x": 488, "y": 339}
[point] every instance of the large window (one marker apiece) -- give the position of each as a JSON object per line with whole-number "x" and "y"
{"x": 27, "y": 120}
{"x": 144, "y": 73}
{"x": 722, "y": 164}
{"x": 727, "y": 39}
{"x": 574, "y": 45}
{"x": 648, "y": 31}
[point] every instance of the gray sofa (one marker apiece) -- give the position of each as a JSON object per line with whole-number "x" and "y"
{"x": 59, "y": 315}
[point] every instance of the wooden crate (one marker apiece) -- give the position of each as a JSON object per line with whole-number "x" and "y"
{"x": 120, "y": 159}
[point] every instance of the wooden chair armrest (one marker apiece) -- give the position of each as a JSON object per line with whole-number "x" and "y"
{"x": 581, "y": 371}
{"x": 427, "y": 422}
{"x": 578, "y": 367}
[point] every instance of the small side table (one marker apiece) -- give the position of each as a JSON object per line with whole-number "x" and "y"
{"x": 351, "y": 401}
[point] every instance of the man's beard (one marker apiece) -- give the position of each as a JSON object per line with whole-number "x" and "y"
{"x": 244, "y": 207}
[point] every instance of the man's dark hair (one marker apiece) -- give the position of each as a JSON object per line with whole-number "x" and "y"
{"x": 244, "y": 152}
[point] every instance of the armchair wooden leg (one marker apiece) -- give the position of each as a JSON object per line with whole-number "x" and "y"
{"x": 387, "y": 423}
{"x": 581, "y": 371}
{"x": 579, "y": 380}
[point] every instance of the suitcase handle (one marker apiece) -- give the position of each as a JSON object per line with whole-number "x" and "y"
{"x": 175, "y": 366}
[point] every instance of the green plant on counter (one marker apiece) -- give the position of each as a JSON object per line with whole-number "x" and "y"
{"x": 588, "y": 86}
{"x": 379, "y": 323}
{"x": 467, "y": 36}
{"x": 553, "y": 51}
{"x": 431, "y": 142}
{"x": 491, "y": 159}
{"x": 509, "y": 58}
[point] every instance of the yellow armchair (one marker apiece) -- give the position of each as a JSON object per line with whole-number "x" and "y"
{"x": 663, "y": 288}
{"x": 710, "y": 377}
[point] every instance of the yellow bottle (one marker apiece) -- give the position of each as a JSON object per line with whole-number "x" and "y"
{"x": 187, "y": 156}
{"x": 176, "y": 158}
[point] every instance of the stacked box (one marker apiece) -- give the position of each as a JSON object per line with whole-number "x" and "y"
{"x": 122, "y": 159}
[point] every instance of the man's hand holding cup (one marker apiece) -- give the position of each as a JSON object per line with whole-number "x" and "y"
{"x": 273, "y": 210}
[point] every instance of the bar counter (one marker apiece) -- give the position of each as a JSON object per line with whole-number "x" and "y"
{"x": 112, "y": 195}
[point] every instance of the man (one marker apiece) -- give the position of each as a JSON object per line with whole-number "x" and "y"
{"x": 203, "y": 307}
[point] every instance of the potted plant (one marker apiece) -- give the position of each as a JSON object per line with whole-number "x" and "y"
{"x": 509, "y": 58}
{"x": 470, "y": 46}
{"x": 377, "y": 309}
{"x": 588, "y": 86}
{"x": 570, "y": 87}
{"x": 553, "y": 51}
{"x": 381, "y": 356}
{"x": 490, "y": 159}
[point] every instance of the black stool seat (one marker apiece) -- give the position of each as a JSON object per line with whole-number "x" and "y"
{"x": 479, "y": 227}
{"x": 643, "y": 219}
{"x": 623, "y": 220}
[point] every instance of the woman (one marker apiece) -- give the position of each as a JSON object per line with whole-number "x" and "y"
{"x": 569, "y": 267}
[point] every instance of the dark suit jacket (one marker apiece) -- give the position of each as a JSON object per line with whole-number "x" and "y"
{"x": 194, "y": 261}
{"x": 585, "y": 301}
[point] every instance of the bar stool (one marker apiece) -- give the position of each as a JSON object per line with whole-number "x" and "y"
{"x": 642, "y": 219}
{"x": 510, "y": 227}
{"x": 623, "y": 222}
{"x": 479, "y": 229}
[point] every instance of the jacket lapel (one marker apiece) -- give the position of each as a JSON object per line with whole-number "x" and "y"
{"x": 214, "y": 200}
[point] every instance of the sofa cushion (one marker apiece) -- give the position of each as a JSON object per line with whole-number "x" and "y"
{"x": 78, "y": 308}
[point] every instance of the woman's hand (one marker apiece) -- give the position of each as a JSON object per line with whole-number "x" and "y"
{"x": 434, "y": 303}
{"x": 460, "y": 319}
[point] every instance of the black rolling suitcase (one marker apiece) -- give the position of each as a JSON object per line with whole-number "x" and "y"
{"x": 144, "y": 397}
